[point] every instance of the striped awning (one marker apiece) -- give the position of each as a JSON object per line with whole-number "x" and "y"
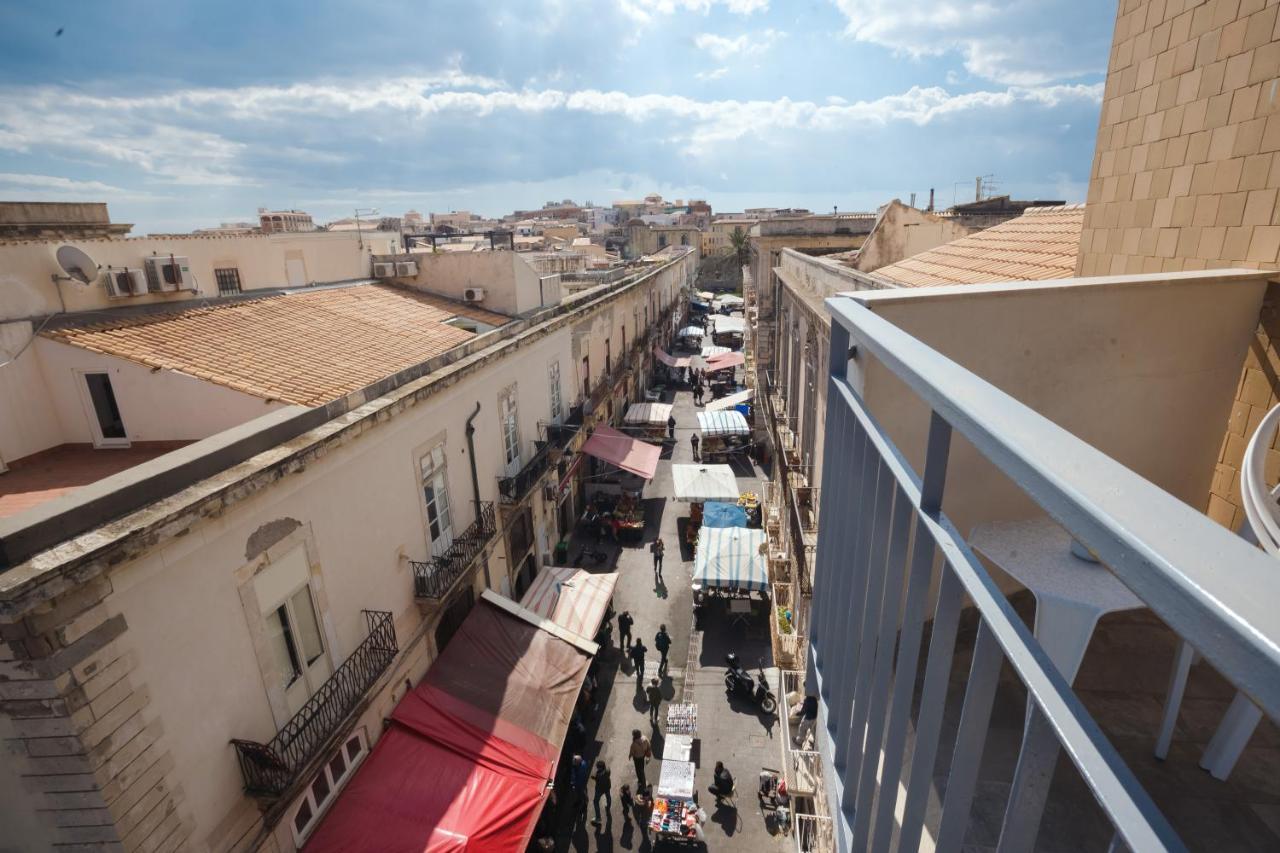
{"x": 725, "y": 422}
{"x": 574, "y": 599}
{"x": 648, "y": 413}
{"x": 730, "y": 401}
{"x": 670, "y": 360}
{"x": 692, "y": 332}
{"x": 731, "y": 558}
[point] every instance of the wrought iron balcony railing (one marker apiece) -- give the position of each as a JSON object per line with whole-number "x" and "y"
{"x": 433, "y": 578}
{"x": 512, "y": 490}
{"x": 270, "y": 769}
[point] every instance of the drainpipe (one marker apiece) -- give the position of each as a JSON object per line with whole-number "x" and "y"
{"x": 475, "y": 479}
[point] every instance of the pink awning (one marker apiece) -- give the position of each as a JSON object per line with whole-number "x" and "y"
{"x": 670, "y": 360}
{"x": 726, "y": 360}
{"x": 629, "y": 454}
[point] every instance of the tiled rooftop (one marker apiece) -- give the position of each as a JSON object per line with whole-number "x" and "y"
{"x": 1040, "y": 244}
{"x": 306, "y": 347}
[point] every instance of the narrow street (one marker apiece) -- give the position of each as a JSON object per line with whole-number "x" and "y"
{"x": 732, "y": 731}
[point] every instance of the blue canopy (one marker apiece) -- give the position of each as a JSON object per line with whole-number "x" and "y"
{"x": 721, "y": 514}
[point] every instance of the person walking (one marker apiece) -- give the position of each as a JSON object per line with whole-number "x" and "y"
{"x": 662, "y": 642}
{"x": 627, "y": 802}
{"x": 637, "y": 658}
{"x": 658, "y": 548}
{"x": 641, "y": 751}
{"x": 671, "y": 427}
{"x": 578, "y": 772}
{"x": 654, "y": 694}
{"x": 624, "y": 628}
{"x": 695, "y": 441}
{"x": 603, "y": 786}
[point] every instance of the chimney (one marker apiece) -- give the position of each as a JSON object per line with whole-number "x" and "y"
{"x": 977, "y": 193}
{"x": 913, "y": 199}
{"x": 930, "y": 200}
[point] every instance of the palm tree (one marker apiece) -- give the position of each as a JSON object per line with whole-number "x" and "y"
{"x": 740, "y": 242}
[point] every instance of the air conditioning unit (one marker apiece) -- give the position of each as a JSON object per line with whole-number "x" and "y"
{"x": 125, "y": 282}
{"x": 473, "y": 294}
{"x": 387, "y": 270}
{"x": 406, "y": 267}
{"x": 169, "y": 273}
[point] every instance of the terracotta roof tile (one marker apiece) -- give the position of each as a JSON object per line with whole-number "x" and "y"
{"x": 1040, "y": 244}
{"x": 304, "y": 347}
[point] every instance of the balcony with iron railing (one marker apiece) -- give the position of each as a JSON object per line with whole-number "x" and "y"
{"x": 432, "y": 579}
{"x": 514, "y": 489}
{"x": 271, "y": 769}
{"x": 949, "y": 691}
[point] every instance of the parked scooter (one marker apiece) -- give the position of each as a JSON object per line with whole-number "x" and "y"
{"x": 592, "y": 553}
{"x": 738, "y": 680}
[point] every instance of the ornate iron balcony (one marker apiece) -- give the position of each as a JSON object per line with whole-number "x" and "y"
{"x": 512, "y": 490}
{"x": 432, "y": 579}
{"x": 270, "y": 769}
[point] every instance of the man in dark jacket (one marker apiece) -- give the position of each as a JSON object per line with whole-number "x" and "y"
{"x": 662, "y": 642}
{"x": 624, "y": 628}
{"x": 637, "y": 658}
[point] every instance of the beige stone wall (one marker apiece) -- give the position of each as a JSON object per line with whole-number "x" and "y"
{"x": 1185, "y": 173}
{"x": 1187, "y": 169}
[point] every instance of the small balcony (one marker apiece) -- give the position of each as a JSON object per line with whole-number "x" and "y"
{"x": 514, "y": 489}
{"x": 434, "y": 578}
{"x": 271, "y": 769}
{"x": 803, "y": 517}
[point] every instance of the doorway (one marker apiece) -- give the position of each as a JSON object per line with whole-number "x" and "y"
{"x": 105, "y": 422}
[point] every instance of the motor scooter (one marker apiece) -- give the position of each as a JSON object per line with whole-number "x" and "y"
{"x": 738, "y": 681}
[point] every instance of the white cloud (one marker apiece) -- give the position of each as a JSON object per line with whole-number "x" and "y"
{"x": 54, "y": 187}
{"x": 747, "y": 44}
{"x": 713, "y": 74}
{"x": 643, "y": 11}
{"x": 1015, "y": 42}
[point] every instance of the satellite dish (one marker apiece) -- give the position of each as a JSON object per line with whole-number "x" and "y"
{"x": 77, "y": 264}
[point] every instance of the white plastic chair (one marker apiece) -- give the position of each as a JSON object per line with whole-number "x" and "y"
{"x": 1263, "y": 512}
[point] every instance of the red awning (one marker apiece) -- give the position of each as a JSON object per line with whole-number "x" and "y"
{"x": 671, "y": 360}
{"x": 629, "y": 454}
{"x": 725, "y": 360}
{"x": 470, "y": 751}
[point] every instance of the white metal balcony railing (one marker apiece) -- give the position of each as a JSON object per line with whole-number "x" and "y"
{"x": 814, "y": 834}
{"x": 882, "y": 527}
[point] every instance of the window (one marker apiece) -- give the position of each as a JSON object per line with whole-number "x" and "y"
{"x": 228, "y": 280}
{"x": 510, "y": 431}
{"x": 557, "y": 402}
{"x": 324, "y": 788}
{"x": 435, "y": 495}
{"x": 608, "y": 358}
{"x": 294, "y": 636}
{"x": 297, "y": 661}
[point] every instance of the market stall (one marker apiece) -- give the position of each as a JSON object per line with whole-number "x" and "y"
{"x": 728, "y": 302}
{"x": 615, "y": 507}
{"x": 728, "y": 331}
{"x": 676, "y": 816}
{"x": 723, "y": 514}
{"x": 648, "y": 419}
{"x": 674, "y": 369}
{"x": 724, "y": 433}
{"x": 691, "y": 336}
{"x": 703, "y": 483}
{"x": 574, "y": 599}
{"x": 731, "y": 559}
{"x": 730, "y": 401}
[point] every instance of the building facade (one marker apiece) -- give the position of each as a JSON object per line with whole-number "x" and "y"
{"x": 285, "y": 221}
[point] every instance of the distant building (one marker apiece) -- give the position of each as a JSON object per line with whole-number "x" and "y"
{"x": 413, "y": 220}
{"x": 645, "y": 239}
{"x": 285, "y": 221}
{"x": 459, "y": 220}
{"x": 38, "y": 220}
{"x": 229, "y": 229}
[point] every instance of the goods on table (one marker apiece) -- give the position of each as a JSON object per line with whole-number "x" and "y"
{"x": 674, "y": 816}
{"x": 682, "y": 718}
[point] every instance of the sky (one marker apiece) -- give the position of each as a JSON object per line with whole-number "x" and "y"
{"x": 183, "y": 115}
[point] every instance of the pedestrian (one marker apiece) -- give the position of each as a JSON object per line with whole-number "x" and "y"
{"x": 627, "y": 802}
{"x": 603, "y": 786}
{"x": 578, "y": 772}
{"x": 654, "y": 694}
{"x": 722, "y": 782}
{"x": 658, "y": 548}
{"x": 641, "y": 751}
{"x": 807, "y": 717}
{"x": 662, "y": 642}
{"x": 624, "y": 628}
{"x": 695, "y": 441}
{"x": 637, "y": 658}
{"x": 671, "y": 427}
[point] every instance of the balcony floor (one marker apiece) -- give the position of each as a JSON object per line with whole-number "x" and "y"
{"x": 43, "y": 476}
{"x": 1122, "y": 683}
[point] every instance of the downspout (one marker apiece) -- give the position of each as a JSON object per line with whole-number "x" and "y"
{"x": 475, "y": 479}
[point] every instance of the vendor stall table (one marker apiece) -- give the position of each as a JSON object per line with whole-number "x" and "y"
{"x": 682, "y": 718}
{"x": 678, "y": 747}
{"x": 674, "y": 820}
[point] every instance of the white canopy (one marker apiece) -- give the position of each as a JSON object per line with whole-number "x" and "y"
{"x": 704, "y": 483}
{"x": 729, "y": 299}
{"x": 731, "y": 558}
{"x": 730, "y": 401}
{"x": 710, "y": 351}
{"x": 726, "y": 325}
{"x": 648, "y": 413}
{"x": 725, "y": 422}
{"x": 692, "y": 332}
